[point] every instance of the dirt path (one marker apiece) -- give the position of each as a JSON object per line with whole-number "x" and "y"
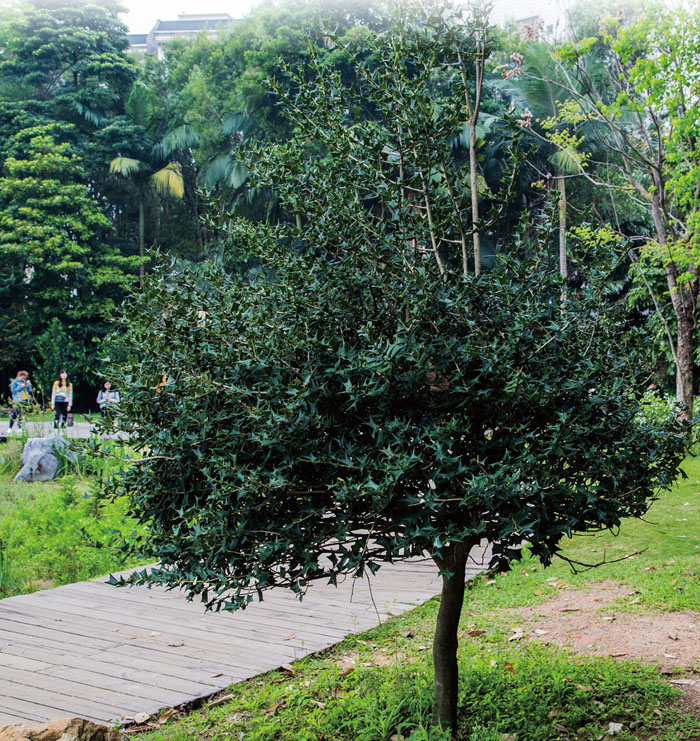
{"x": 591, "y": 622}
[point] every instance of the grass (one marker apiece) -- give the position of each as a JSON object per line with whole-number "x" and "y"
{"x": 378, "y": 685}
{"x": 44, "y": 528}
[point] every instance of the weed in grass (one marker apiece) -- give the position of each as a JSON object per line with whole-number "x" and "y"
{"x": 10, "y": 459}
{"x": 9, "y": 580}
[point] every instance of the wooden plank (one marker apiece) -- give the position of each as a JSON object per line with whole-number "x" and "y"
{"x": 268, "y": 621}
{"x": 22, "y": 662}
{"x": 15, "y": 628}
{"x": 46, "y": 702}
{"x": 29, "y": 711}
{"x": 242, "y": 642}
{"x": 75, "y": 613}
{"x": 230, "y": 654}
{"x": 177, "y": 602}
{"x": 133, "y": 668}
{"x": 11, "y": 720}
{"x": 38, "y": 686}
{"x": 125, "y": 685}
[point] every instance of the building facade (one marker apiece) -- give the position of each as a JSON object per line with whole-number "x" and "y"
{"x": 187, "y": 26}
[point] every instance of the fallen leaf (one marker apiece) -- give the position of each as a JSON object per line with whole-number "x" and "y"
{"x": 657, "y": 712}
{"x": 141, "y": 718}
{"x": 220, "y": 700}
{"x": 614, "y": 728}
{"x": 571, "y": 609}
{"x": 617, "y": 654}
{"x": 318, "y": 704}
{"x": 509, "y": 667}
{"x": 217, "y": 674}
{"x": 130, "y": 638}
{"x": 673, "y": 636}
{"x": 634, "y": 601}
{"x": 115, "y": 630}
{"x": 670, "y": 656}
{"x": 422, "y": 648}
{"x": 609, "y": 618}
{"x": 490, "y": 581}
{"x": 682, "y": 681}
{"x": 540, "y": 632}
{"x": 411, "y": 634}
{"x": 517, "y": 636}
{"x": 555, "y": 713}
{"x": 155, "y": 633}
{"x": 344, "y": 672}
{"x": 176, "y": 645}
{"x": 289, "y": 637}
{"x": 287, "y": 668}
{"x": 166, "y": 716}
{"x": 537, "y": 592}
{"x": 274, "y": 708}
{"x": 649, "y": 568}
{"x": 476, "y": 632}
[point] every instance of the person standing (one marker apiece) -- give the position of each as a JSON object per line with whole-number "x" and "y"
{"x": 21, "y": 390}
{"x": 61, "y": 399}
{"x": 107, "y": 399}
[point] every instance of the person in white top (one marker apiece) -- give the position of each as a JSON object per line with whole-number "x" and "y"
{"x": 107, "y": 399}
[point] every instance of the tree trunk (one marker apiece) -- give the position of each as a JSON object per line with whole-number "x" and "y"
{"x": 142, "y": 239}
{"x": 683, "y": 300}
{"x": 445, "y": 641}
{"x": 474, "y": 184}
{"x": 684, "y": 366}
{"x": 563, "y": 266}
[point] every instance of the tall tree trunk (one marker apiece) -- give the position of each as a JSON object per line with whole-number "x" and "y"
{"x": 563, "y": 266}
{"x": 445, "y": 641}
{"x": 684, "y": 302}
{"x": 474, "y": 184}
{"x": 142, "y": 239}
{"x": 684, "y": 366}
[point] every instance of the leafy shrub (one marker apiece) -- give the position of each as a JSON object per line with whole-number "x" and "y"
{"x": 656, "y": 408}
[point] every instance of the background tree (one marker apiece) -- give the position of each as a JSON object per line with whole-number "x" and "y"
{"x": 52, "y": 248}
{"x": 642, "y": 114}
{"x": 362, "y": 400}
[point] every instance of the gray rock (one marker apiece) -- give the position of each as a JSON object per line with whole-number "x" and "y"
{"x": 61, "y": 729}
{"x": 41, "y": 458}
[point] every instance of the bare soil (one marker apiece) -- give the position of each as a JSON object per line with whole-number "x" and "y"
{"x": 591, "y": 622}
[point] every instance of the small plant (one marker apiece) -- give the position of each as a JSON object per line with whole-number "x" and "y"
{"x": 8, "y": 577}
{"x": 68, "y": 491}
{"x": 656, "y": 408}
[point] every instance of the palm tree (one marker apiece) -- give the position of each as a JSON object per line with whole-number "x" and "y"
{"x": 149, "y": 176}
{"x": 538, "y": 93}
{"x": 227, "y": 169}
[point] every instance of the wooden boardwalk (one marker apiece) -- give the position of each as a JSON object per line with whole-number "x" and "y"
{"x": 105, "y": 654}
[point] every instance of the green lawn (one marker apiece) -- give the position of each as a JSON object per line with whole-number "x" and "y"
{"x": 43, "y": 526}
{"x": 516, "y": 690}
